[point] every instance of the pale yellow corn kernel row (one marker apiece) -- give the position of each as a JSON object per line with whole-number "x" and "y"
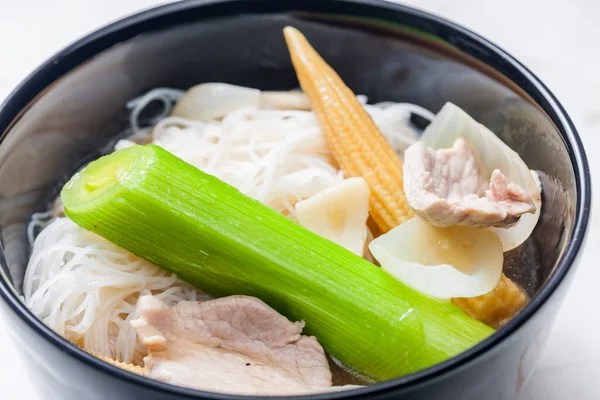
{"x": 361, "y": 150}
{"x": 496, "y": 307}
{"x": 354, "y": 139}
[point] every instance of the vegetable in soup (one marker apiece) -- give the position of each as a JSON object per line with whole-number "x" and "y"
{"x": 282, "y": 243}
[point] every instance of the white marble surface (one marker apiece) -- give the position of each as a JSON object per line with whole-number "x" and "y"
{"x": 557, "y": 39}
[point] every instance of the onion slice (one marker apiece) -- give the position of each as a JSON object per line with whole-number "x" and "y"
{"x": 339, "y": 214}
{"x": 291, "y": 100}
{"x": 441, "y": 262}
{"x": 451, "y": 123}
{"x": 212, "y": 101}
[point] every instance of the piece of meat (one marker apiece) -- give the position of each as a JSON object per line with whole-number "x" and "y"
{"x": 234, "y": 344}
{"x": 445, "y": 187}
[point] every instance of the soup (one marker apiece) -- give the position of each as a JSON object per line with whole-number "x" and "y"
{"x": 275, "y": 243}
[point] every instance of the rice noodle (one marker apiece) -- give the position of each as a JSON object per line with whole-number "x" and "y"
{"x": 277, "y": 157}
{"x": 167, "y": 96}
{"x": 41, "y": 220}
{"x": 392, "y": 119}
{"x": 86, "y": 289}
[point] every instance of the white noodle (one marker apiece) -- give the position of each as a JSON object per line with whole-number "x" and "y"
{"x": 277, "y": 157}
{"x": 392, "y": 119}
{"x": 87, "y": 289}
{"x": 38, "y": 222}
{"x": 167, "y": 96}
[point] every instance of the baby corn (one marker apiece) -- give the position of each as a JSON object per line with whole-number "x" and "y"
{"x": 497, "y": 306}
{"x": 356, "y": 143}
{"x": 361, "y": 150}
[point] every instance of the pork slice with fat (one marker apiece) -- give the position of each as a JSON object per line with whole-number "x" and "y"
{"x": 235, "y": 344}
{"x": 446, "y": 187}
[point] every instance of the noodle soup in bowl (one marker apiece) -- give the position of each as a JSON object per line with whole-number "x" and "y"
{"x": 217, "y": 174}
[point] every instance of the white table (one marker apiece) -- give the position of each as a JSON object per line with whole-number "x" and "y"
{"x": 557, "y": 39}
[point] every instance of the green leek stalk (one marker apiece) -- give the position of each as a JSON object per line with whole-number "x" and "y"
{"x": 168, "y": 212}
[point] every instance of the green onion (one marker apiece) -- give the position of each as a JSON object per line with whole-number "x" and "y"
{"x": 160, "y": 208}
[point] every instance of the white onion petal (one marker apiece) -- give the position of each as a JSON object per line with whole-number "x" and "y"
{"x": 291, "y": 100}
{"x": 212, "y": 101}
{"x": 441, "y": 262}
{"x": 339, "y": 214}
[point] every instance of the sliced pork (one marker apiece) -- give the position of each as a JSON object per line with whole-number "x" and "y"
{"x": 235, "y": 344}
{"x": 446, "y": 187}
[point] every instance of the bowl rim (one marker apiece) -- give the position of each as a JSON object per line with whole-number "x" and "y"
{"x": 465, "y": 40}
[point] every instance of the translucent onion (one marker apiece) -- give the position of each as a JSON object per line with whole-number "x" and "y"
{"x": 452, "y": 122}
{"x": 212, "y": 101}
{"x": 339, "y": 214}
{"x": 292, "y": 100}
{"x": 441, "y": 262}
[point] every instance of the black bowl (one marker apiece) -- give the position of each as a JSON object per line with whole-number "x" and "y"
{"x": 74, "y": 104}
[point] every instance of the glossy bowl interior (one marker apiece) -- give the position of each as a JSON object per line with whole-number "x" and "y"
{"x": 71, "y": 112}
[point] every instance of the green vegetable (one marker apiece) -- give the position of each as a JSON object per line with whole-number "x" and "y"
{"x": 155, "y": 205}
